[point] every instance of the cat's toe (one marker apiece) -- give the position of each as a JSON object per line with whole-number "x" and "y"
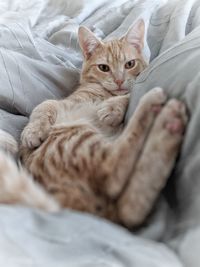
{"x": 176, "y": 116}
{"x": 32, "y": 137}
{"x": 110, "y": 116}
{"x": 129, "y": 213}
{"x": 154, "y": 97}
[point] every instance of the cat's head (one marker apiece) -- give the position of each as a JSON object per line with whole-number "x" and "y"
{"x": 114, "y": 64}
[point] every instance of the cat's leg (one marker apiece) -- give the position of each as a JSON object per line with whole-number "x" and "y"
{"x": 124, "y": 152}
{"x": 40, "y": 123}
{"x": 154, "y": 165}
{"x": 17, "y": 187}
{"x": 112, "y": 111}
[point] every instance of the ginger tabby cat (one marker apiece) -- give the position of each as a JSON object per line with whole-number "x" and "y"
{"x": 77, "y": 150}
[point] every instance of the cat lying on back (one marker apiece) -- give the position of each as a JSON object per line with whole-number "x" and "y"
{"x": 76, "y": 148}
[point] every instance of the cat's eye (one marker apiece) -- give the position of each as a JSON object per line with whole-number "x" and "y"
{"x": 130, "y": 64}
{"x": 104, "y": 67}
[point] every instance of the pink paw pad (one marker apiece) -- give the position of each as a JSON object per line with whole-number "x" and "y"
{"x": 175, "y": 126}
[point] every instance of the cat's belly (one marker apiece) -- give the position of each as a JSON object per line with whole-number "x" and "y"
{"x": 65, "y": 164}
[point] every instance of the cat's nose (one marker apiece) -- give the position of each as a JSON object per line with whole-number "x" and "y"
{"x": 119, "y": 82}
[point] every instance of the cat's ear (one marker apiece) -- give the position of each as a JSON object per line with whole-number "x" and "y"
{"x": 88, "y": 41}
{"x": 135, "y": 34}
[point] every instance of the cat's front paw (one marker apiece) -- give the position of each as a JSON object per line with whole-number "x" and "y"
{"x": 34, "y": 134}
{"x": 110, "y": 115}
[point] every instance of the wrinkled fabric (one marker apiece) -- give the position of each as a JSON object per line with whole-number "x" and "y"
{"x": 40, "y": 59}
{"x": 31, "y": 238}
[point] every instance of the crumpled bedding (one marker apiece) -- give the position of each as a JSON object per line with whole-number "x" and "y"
{"x": 40, "y": 59}
{"x": 33, "y": 238}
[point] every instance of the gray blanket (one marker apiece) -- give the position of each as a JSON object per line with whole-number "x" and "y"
{"x": 40, "y": 59}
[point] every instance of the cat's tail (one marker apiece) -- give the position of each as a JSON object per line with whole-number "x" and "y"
{"x": 18, "y": 187}
{"x": 8, "y": 143}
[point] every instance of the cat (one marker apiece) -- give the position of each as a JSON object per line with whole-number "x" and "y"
{"x": 78, "y": 149}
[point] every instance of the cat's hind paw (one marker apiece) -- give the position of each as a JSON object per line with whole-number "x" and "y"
{"x": 154, "y": 98}
{"x": 155, "y": 164}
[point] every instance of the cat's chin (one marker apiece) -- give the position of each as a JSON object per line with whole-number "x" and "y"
{"x": 120, "y": 92}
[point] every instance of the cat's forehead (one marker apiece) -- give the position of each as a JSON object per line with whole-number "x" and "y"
{"x": 116, "y": 51}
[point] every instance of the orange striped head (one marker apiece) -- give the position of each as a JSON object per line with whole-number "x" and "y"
{"x": 114, "y": 64}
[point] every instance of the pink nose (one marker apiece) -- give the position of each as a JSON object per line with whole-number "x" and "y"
{"x": 119, "y": 82}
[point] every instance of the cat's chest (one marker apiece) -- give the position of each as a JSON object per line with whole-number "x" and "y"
{"x": 87, "y": 113}
{"x": 79, "y": 111}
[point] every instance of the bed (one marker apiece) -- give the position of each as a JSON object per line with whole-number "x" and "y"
{"x": 40, "y": 59}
